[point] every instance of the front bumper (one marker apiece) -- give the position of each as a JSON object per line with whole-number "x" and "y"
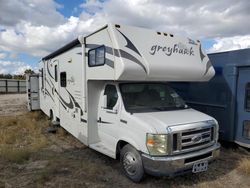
{"x": 179, "y": 164}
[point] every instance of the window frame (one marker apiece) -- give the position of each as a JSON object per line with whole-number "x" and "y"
{"x": 94, "y": 49}
{"x": 61, "y": 79}
{"x": 247, "y": 89}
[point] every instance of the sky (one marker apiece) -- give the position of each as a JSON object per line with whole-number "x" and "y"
{"x": 31, "y": 29}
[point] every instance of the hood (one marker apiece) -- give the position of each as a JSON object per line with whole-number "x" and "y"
{"x": 161, "y": 120}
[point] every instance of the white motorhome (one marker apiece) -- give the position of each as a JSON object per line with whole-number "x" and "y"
{"x": 110, "y": 90}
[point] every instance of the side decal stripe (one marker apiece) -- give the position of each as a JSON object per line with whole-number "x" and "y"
{"x": 69, "y": 105}
{"x": 123, "y": 53}
{"x": 129, "y": 44}
{"x": 48, "y": 93}
{"x": 49, "y": 70}
{"x": 83, "y": 120}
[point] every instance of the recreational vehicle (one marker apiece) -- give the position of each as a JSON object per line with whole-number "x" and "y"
{"x": 226, "y": 97}
{"x": 110, "y": 90}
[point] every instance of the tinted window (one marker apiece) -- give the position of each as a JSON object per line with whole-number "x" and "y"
{"x": 92, "y": 58}
{"x": 56, "y": 73}
{"x": 247, "y": 98}
{"x": 142, "y": 97}
{"x": 42, "y": 79}
{"x": 63, "y": 78}
{"x": 96, "y": 57}
{"x": 112, "y": 96}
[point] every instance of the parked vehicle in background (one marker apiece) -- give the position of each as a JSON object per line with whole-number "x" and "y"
{"x": 32, "y": 90}
{"x": 110, "y": 90}
{"x": 226, "y": 97}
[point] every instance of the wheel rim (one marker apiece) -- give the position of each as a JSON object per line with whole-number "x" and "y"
{"x": 130, "y": 163}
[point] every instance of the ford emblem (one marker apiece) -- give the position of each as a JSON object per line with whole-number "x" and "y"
{"x": 196, "y": 139}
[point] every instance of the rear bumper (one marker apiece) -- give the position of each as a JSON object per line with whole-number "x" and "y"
{"x": 174, "y": 165}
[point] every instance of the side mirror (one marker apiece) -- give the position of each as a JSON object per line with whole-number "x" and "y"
{"x": 104, "y": 101}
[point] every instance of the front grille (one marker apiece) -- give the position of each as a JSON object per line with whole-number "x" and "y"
{"x": 193, "y": 139}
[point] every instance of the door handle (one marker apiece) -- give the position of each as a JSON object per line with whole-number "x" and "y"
{"x": 99, "y": 120}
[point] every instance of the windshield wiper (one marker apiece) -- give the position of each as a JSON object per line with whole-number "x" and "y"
{"x": 159, "y": 108}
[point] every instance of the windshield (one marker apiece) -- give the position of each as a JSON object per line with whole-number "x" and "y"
{"x": 148, "y": 97}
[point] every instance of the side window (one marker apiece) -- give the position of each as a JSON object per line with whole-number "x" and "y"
{"x": 42, "y": 78}
{"x": 63, "y": 79}
{"x": 112, "y": 96}
{"x": 247, "y": 97}
{"x": 56, "y": 73}
{"x": 96, "y": 56}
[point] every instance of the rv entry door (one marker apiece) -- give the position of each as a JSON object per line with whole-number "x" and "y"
{"x": 108, "y": 116}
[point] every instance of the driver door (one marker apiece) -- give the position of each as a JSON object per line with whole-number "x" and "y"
{"x": 108, "y": 116}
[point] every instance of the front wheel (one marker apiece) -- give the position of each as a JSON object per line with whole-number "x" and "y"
{"x": 131, "y": 163}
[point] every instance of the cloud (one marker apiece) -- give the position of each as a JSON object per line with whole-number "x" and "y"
{"x": 193, "y": 18}
{"x": 37, "y": 28}
{"x": 3, "y": 55}
{"x": 13, "y": 67}
{"x": 37, "y": 12}
{"x": 41, "y": 40}
{"x": 230, "y": 43}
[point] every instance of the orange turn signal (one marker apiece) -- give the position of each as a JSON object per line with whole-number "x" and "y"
{"x": 150, "y": 142}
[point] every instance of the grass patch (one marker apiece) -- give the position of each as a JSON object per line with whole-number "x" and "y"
{"x": 244, "y": 166}
{"x": 44, "y": 175}
{"x": 20, "y": 136}
{"x": 15, "y": 155}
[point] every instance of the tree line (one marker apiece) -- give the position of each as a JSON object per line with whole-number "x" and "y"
{"x": 17, "y": 76}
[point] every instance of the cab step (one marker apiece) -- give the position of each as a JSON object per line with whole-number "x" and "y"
{"x": 99, "y": 146}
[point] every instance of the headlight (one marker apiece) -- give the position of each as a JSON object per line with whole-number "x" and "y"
{"x": 157, "y": 144}
{"x": 216, "y": 128}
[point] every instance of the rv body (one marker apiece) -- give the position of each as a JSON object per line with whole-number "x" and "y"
{"x": 226, "y": 97}
{"x": 109, "y": 90}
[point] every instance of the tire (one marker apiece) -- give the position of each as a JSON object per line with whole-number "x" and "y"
{"x": 131, "y": 163}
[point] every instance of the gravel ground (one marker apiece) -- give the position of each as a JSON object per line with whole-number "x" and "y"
{"x": 12, "y": 104}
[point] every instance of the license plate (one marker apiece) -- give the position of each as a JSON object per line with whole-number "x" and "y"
{"x": 200, "y": 167}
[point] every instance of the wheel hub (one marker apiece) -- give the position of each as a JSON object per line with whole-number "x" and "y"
{"x": 130, "y": 163}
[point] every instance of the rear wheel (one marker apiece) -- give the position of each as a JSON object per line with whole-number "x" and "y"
{"x": 131, "y": 163}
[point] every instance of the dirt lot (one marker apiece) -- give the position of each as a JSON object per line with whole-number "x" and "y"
{"x": 31, "y": 157}
{"x": 12, "y": 104}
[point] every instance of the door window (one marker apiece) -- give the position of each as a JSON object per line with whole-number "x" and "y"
{"x": 247, "y": 97}
{"x": 112, "y": 96}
